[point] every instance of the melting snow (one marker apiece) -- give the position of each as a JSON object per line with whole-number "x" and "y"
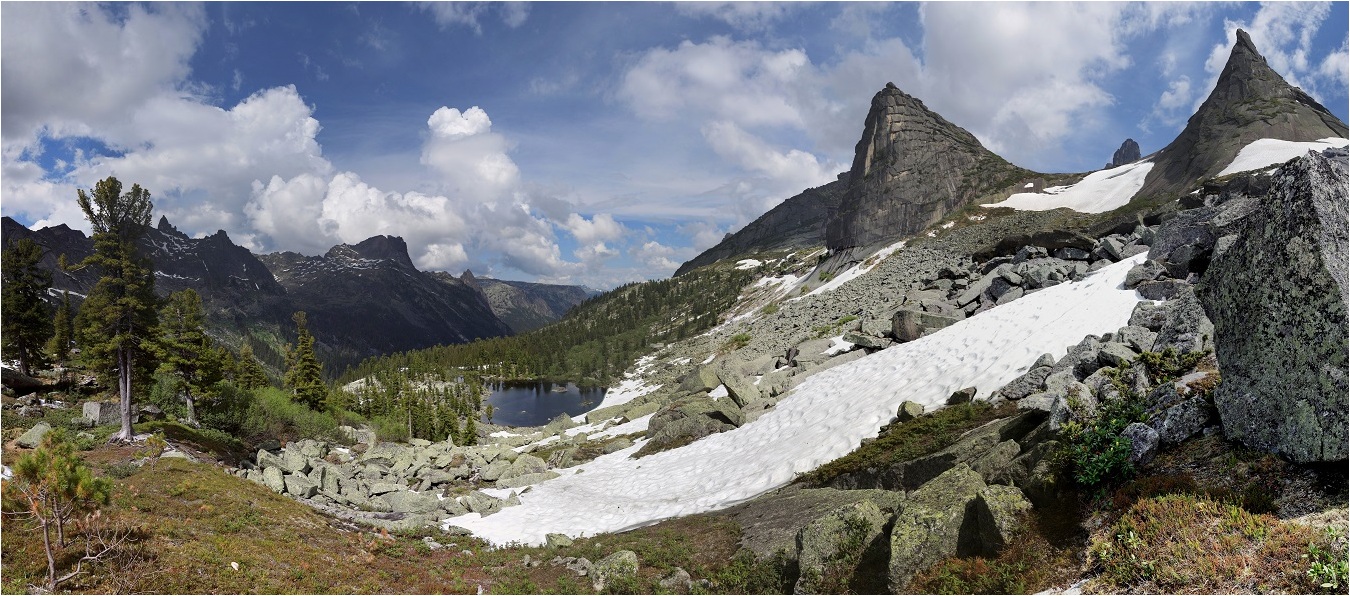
{"x": 719, "y": 391}
{"x": 627, "y": 428}
{"x": 837, "y": 346}
{"x": 1099, "y": 192}
{"x": 744, "y": 264}
{"x": 856, "y": 271}
{"x": 1264, "y": 152}
{"x": 824, "y": 418}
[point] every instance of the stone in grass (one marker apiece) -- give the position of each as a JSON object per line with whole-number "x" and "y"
{"x": 33, "y": 438}
{"x": 622, "y": 564}
{"x": 962, "y": 396}
{"x": 557, "y": 540}
{"x": 908, "y": 411}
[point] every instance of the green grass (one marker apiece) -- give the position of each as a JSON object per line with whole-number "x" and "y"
{"x": 907, "y": 440}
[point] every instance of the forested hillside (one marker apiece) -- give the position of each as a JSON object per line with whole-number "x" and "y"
{"x": 594, "y": 343}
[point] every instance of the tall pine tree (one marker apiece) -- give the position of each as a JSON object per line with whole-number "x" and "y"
{"x": 63, "y": 330}
{"x": 27, "y": 322}
{"x": 116, "y": 324}
{"x": 186, "y": 351}
{"x": 248, "y": 372}
{"x": 304, "y": 374}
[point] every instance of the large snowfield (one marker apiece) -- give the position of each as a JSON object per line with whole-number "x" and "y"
{"x": 1099, "y": 192}
{"x": 824, "y": 418}
{"x": 1268, "y": 152}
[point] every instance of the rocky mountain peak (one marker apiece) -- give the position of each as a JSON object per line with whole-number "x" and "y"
{"x": 167, "y": 228}
{"x": 910, "y": 168}
{"x": 1250, "y": 101}
{"x": 1126, "y": 154}
{"x": 385, "y": 248}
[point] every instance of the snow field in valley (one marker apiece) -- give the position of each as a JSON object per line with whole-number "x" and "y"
{"x": 1099, "y": 192}
{"x": 824, "y": 418}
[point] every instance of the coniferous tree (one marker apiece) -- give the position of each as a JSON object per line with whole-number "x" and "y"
{"x": 116, "y": 324}
{"x": 186, "y": 351}
{"x": 304, "y": 374}
{"x": 27, "y": 322}
{"x": 63, "y": 330}
{"x": 249, "y": 373}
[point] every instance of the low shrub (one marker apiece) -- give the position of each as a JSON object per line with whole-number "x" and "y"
{"x": 1094, "y": 451}
{"x": 390, "y": 428}
{"x": 272, "y": 413}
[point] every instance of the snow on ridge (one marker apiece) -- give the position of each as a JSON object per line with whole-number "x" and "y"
{"x": 746, "y": 264}
{"x": 1098, "y": 192}
{"x": 856, "y": 271}
{"x": 1267, "y": 152}
{"x": 824, "y": 418}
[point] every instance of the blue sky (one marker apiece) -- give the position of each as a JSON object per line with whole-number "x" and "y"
{"x": 593, "y": 143}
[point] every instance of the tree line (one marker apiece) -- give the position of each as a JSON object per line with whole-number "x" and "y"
{"x": 155, "y": 348}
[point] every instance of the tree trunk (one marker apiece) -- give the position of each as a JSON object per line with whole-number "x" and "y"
{"x": 191, "y": 403}
{"x": 124, "y": 389}
{"x": 51, "y": 557}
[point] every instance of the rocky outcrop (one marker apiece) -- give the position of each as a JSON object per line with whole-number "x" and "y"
{"x": 910, "y": 169}
{"x": 526, "y": 306}
{"x": 1250, "y": 101}
{"x": 1128, "y": 153}
{"x": 798, "y": 222}
{"x": 1276, "y": 292}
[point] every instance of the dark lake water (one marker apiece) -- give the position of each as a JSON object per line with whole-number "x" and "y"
{"x": 534, "y": 404}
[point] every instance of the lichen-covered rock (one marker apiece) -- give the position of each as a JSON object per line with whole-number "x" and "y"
{"x": 928, "y": 526}
{"x": 1183, "y": 420}
{"x": 553, "y": 540}
{"x": 1143, "y": 442}
{"x": 618, "y": 565}
{"x": 855, "y": 526}
{"x": 908, "y": 411}
{"x": 404, "y": 501}
{"x": 1187, "y": 327}
{"x": 909, "y": 325}
{"x": 33, "y": 437}
{"x": 1278, "y": 299}
{"x": 999, "y": 512}
{"x": 274, "y": 478}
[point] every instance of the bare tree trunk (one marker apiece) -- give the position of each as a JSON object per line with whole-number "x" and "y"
{"x": 191, "y": 409}
{"x": 51, "y": 557}
{"x": 124, "y": 388}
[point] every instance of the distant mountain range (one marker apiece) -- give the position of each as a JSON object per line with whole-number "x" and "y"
{"x": 362, "y": 300}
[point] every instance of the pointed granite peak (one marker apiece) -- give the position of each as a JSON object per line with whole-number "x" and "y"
{"x": 910, "y": 168}
{"x": 167, "y": 228}
{"x": 1250, "y": 101}
{"x": 469, "y": 280}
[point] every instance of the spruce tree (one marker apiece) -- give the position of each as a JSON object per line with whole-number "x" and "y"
{"x": 304, "y": 374}
{"x": 63, "y": 330}
{"x": 116, "y": 324}
{"x": 248, "y": 372}
{"x": 27, "y": 322}
{"x": 185, "y": 350}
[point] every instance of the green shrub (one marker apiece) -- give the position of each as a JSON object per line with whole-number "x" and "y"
{"x": 769, "y": 309}
{"x": 1169, "y": 364}
{"x": 225, "y": 407}
{"x": 736, "y": 342}
{"x": 390, "y": 428}
{"x": 1095, "y": 451}
{"x": 1328, "y": 563}
{"x": 272, "y": 414}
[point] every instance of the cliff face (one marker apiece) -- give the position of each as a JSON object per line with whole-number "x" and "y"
{"x": 910, "y": 169}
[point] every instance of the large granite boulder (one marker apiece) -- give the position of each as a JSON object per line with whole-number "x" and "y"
{"x": 1277, "y": 296}
{"x": 33, "y": 437}
{"x": 930, "y": 523}
{"x": 845, "y": 532}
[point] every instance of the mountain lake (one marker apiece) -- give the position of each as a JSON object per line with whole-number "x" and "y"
{"x": 536, "y": 403}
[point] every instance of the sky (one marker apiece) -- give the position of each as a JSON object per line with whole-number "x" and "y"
{"x": 581, "y": 143}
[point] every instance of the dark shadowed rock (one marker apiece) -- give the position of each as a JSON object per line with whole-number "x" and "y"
{"x": 1127, "y": 153}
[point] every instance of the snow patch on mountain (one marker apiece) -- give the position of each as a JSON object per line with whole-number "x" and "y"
{"x": 825, "y": 417}
{"x": 1266, "y": 152}
{"x": 1099, "y": 192}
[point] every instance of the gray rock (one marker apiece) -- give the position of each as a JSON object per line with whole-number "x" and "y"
{"x": 1183, "y": 420}
{"x": 622, "y": 564}
{"x": 559, "y": 424}
{"x": 820, "y": 541}
{"x": 1149, "y": 316}
{"x": 741, "y": 389}
{"x": 999, "y": 514}
{"x": 909, "y": 325}
{"x": 1188, "y": 328}
{"x": 1147, "y": 271}
{"x": 618, "y": 444}
{"x": 1050, "y": 403}
{"x": 526, "y": 479}
{"x": 1070, "y": 253}
{"x": 494, "y": 470}
{"x": 1278, "y": 297}
{"x": 908, "y": 411}
{"x": 1081, "y": 359}
{"x": 1143, "y": 442}
{"x": 102, "y": 412}
{"x": 702, "y": 378}
{"x": 1165, "y": 289}
{"x": 33, "y": 437}
{"x": 293, "y": 462}
{"x": 962, "y": 396}
{"x": 928, "y": 527}
{"x": 480, "y": 503}
{"x": 556, "y": 540}
{"x": 1128, "y": 153}
{"x": 274, "y": 478}
{"x": 300, "y": 486}
{"x": 1140, "y": 339}
{"x": 677, "y": 579}
{"x": 524, "y": 464}
{"x": 811, "y": 352}
{"x": 410, "y": 502}
{"x": 1116, "y": 354}
{"x": 1030, "y": 382}
{"x": 866, "y": 341}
